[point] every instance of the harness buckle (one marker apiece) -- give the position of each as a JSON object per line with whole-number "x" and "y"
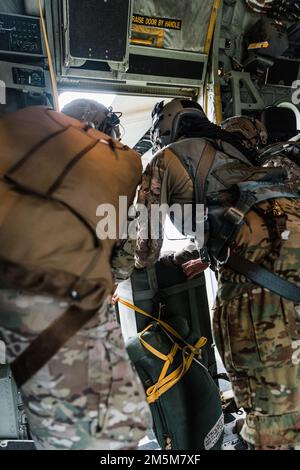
{"x": 235, "y": 215}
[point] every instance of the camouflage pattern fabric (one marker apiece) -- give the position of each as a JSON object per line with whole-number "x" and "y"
{"x": 258, "y": 334}
{"x": 149, "y": 193}
{"x": 165, "y": 181}
{"x": 122, "y": 263}
{"x": 284, "y": 162}
{"x": 87, "y": 397}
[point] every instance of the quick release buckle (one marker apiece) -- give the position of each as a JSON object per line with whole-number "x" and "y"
{"x": 235, "y": 215}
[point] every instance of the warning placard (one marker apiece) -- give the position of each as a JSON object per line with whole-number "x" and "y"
{"x": 166, "y": 23}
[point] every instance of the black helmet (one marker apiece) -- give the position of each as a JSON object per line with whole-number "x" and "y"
{"x": 96, "y": 115}
{"x": 167, "y": 119}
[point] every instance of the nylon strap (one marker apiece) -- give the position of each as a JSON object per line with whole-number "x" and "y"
{"x": 165, "y": 325}
{"x": 169, "y": 291}
{"x": 205, "y": 164}
{"x": 166, "y": 382}
{"x": 195, "y": 317}
{"x": 265, "y": 278}
{"x": 234, "y": 218}
{"x": 48, "y": 343}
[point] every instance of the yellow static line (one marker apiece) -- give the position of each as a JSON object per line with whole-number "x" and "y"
{"x": 51, "y": 68}
{"x": 212, "y": 24}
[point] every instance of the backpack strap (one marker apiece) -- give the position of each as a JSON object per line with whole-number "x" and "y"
{"x": 233, "y": 219}
{"x": 34, "y": 174}
{"x": 198, "y": 172}
{"x": 161, "y": 294}
{"x": 48, "y": 343}
{"x": 265, "y": 278}
{"x": 204, "y": 167}
{"x": 249, "y": 199}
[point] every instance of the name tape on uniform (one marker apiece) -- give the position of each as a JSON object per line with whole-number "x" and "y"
{"x": 155, "y": 22}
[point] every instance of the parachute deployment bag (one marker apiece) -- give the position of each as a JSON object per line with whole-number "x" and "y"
{"x": 164, "y": 292}
{"x": 184, "y": 400}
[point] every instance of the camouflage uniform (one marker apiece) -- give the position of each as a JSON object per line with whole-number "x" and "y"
{"x": 284, "y": 162}
{"x": 257, "y": 332}
{"x": 159, "y": 186}
{"x": 255, "y": 136}
{"x": 258, "y": 335}
{"x": 87, "y": 396}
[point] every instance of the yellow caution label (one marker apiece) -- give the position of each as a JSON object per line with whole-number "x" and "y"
{"x": 154, "y": 22}
{"x": 145, "y": 36}
{"x": 259, "y": 45}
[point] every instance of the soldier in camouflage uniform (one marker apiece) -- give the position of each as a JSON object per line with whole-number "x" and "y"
{"x": 258, "y": 334}
{"x": 282, "y": 346}
{"x": 285, "y": 156}
{"x": 257, "y": 331}
{"x": 251, "y": 132}
{"x": 87, "y": 397}
{"x": 255, "y": 137}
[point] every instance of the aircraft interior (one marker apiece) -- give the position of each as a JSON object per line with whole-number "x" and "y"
{"x": 234, "y": 57}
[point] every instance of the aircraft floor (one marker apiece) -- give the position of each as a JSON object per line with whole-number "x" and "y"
{"x": 232, "y": 441}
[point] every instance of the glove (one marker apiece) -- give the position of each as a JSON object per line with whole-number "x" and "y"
{"x": 178, "y": 259}
{"x": 194, "y": 268}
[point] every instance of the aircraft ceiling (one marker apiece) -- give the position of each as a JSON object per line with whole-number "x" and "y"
{"x": 138, "y": 47}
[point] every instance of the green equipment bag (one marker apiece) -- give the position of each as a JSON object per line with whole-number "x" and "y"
{"x": 183, "y": 398}
{"x": 164, "y": 292}
{"x": 175, "y": 364}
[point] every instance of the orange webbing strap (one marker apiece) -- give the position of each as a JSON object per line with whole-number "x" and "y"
{"x": 161, "y": 323}
{"x": 165, "y": 382}
{"x": 49, "y": 55}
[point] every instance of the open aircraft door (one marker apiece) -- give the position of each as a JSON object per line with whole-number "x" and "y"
{"x": 135, "y": 47}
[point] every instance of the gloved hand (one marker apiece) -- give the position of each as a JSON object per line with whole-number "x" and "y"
{"x": 194, "y": 268}
{"x": 179, "y": 258}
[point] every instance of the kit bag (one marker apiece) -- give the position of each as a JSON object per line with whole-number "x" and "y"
{"x": 183, "y": 398}
{"x": 164, "y": 292}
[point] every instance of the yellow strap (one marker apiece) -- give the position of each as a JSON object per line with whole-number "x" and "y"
{"x": 211, "y": 27}
{"x": 165, "y": 325}
{"x": 155, "y": 391}
{"x": 166, "y": 382}
{"x": 51, "y": 68}
{"x": 155, "y": 352}
{"x": 259, "y": 45}
{"x": 218, "y": 104}
{"x": 169, "y": 361}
